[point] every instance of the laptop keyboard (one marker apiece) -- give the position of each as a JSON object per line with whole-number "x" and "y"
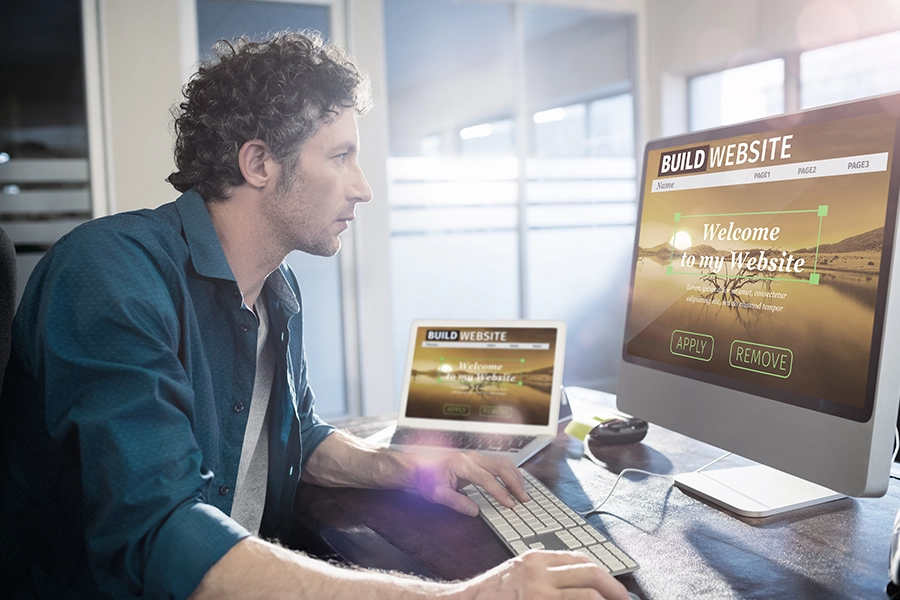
{"x": 464, "y": 440}
{"x": 546, "y": 522}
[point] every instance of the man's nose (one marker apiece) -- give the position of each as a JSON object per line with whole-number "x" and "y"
{"x": 362, "y": 192}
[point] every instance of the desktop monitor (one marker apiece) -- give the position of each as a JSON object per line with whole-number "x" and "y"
{"x": 764, "y": 307}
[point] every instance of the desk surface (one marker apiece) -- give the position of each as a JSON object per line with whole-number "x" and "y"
{"x": 686, "y": 548}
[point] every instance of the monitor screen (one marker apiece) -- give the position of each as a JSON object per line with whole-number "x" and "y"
{"x": 761, "y": 277}
{"x": 482, "y": 374}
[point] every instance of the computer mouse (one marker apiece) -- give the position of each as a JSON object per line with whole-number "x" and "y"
{"x": 619, "y": 431}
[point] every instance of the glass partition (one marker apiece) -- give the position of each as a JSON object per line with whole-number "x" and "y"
{"x": 512, "y": 169}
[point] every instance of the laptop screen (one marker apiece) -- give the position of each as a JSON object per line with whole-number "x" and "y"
{"x": 482, "y": 374}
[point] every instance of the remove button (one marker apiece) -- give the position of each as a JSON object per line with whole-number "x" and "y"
{"x": 759, "y": 358}
{"x": 698, "y": 346}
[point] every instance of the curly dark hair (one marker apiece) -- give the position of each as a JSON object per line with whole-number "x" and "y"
{"x": 279, "y": 91}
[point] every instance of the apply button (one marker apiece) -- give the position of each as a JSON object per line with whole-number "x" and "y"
{"x": 457, "y": 410}
{"x": 759, "y": 358}
{"x": 698, "y": 346}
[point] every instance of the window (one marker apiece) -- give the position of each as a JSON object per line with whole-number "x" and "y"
{"x": 47, "y": 184}
{"x": 512, "y": 176}
{"x": 734, "y": 95}
{"x": 561, "y": 131}
{"x": 611, "y": 126}
{"x": 218, "y": 19}
{"x": 837, "y": 73}
{"x": 857, "y": 69}
{"x": 488, "y": 139}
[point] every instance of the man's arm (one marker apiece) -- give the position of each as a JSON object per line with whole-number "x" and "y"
{"x": 254, "y": 568}
{"x": 101, "y": 336}
{"x": 343, "y": 460}
{"x": 257, "y": 569}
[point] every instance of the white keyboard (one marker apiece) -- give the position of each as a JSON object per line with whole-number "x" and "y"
{"x": 546, "y": 522}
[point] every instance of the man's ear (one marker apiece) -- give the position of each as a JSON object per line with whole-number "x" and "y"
{"x": 256, "y": 163}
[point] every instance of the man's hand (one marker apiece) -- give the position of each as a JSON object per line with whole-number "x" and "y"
{"x": 542, "y": 574}
{"x": 345, "y": 460}
{"x": 438, "y": 478}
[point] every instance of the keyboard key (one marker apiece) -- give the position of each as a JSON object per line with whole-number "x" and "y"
{"x": 629, "y": 564}
{"x": 545, "y": 529}
{"x": 524, "y": 530}
{"x": 614, "y": 565}
{"x": 600, "y": 552}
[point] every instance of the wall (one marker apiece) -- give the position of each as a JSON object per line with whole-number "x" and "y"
{"x": 690, "y": 37}
{"x": 141, "y": 52}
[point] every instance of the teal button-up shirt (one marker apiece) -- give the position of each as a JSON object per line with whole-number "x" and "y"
{"x": 125, "y": 404}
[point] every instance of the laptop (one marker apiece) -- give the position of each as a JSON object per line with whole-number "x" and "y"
{"x": 489, "y": 386}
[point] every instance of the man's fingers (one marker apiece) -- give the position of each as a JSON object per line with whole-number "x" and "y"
{"x": 437, "y": 480}
{"x": 551, "y": 559}
{"x": 451, "y": 498}
{"x": 575, "y": 570}
{"x": 581, "y": 575}
{"x": 503, "y": 468}
{"x": 512, "y": 478}
{"x": 472, "y": 471}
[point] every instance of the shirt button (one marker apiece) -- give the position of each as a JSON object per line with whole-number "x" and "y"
{"x": 224, "y": 490}
{"x": 238, "y": 407}
{"x": 245, "y": 327}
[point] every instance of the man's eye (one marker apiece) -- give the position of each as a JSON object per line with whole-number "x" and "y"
{"x": 341, "y": 156}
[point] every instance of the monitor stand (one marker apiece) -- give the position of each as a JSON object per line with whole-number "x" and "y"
{"x": 755, "y": 491}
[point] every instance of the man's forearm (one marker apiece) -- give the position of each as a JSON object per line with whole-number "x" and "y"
{"x": 343, "y": 460}
{"x": 254, "y": 568}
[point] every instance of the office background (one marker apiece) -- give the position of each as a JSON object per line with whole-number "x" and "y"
{"x": 503, "y": 149}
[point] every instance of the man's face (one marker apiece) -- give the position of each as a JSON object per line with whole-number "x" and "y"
{"x": 315, "y": 199}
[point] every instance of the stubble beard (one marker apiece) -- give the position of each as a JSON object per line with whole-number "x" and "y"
{"x": 290, "y": 186}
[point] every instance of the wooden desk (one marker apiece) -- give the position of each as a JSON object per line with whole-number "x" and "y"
{"x": 686, "y": 548}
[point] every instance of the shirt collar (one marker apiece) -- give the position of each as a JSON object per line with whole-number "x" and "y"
{"x": 207, "y": 254}
{"x": 203, "y": 242}
{"x": 277, "y": 282}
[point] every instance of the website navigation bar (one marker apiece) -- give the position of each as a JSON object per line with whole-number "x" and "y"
{"x": 830, "y": 167}
{"x": 491, "y": 345}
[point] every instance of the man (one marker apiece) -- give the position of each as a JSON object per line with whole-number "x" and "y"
{"x": 157, "y": 413}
